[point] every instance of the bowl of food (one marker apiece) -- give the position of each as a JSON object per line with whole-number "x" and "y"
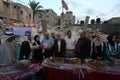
{"x": 22, "y": 64}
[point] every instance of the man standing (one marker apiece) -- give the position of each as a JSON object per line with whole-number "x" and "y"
{"x": 70, "y": 44}
{"x": 118, "y": 40}
{"x": 83, "y": 46}
{"x": 54, "y": 38}
{"x": 47, "y": 44}
{"x": 59, "y": 46}
{"x": 53, "y": 35}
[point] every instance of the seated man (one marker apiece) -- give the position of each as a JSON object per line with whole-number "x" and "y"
{"x": 7, "y": 51}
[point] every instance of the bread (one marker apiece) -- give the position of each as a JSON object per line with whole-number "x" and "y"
{"x": 74, "y": 61}
{"x": 58, "y": 60}
{"x": 95, "y": 64}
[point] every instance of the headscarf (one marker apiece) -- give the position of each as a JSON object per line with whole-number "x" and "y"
{"x": 110, "y": 41}
{"x": 98, "y": 42}
{"x": 35, "y": 39}
{"x": 6, "y": 36}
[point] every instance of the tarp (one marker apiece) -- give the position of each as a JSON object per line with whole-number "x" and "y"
{"x": 21, "y": 31}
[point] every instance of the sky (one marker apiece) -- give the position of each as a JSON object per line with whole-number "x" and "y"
{"x": 104, "y": 9}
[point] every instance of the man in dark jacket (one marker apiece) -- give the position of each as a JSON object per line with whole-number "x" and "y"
{"x": 83, "y": 46}
{"x": 59, "y": 46}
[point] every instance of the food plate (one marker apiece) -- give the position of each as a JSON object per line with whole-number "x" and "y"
{"x": 96, "y": 64}
{"x": 74, "y": 61}
{"x": 58, "y": 60}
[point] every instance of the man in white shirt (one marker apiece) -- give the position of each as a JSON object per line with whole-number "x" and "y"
{"x": 70, "y": 45}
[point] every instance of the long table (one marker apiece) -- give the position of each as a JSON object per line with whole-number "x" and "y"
{"x": 53, "y": 71}
{"x": 57, "y": 74}
{"x": 109, "y": 73}
{"x": 11, "y": 73}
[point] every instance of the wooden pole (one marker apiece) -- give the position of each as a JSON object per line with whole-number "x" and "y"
{"x": 44, "y": 26}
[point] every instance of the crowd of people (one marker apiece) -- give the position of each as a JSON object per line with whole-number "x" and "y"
{"x": 56, "y": 46}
